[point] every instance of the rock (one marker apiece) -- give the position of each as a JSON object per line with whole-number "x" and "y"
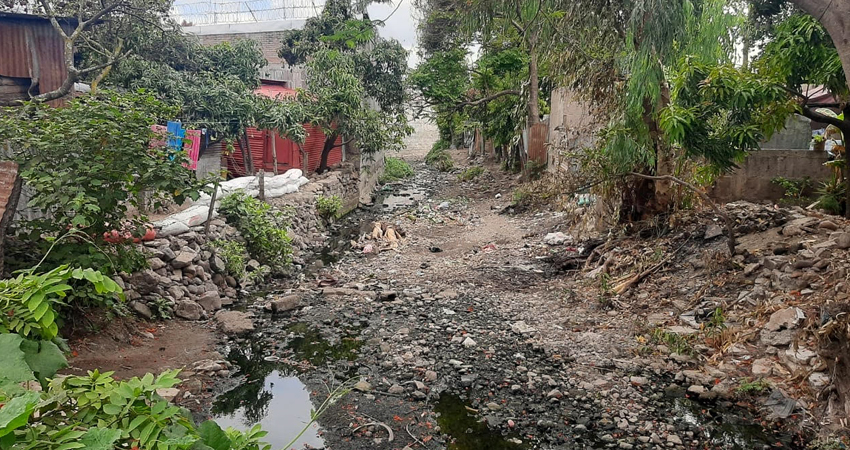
{"x": 696, "y": 389}
{"x": 818, "y": 380}
{"x": 183, "y": 259}
{"x": 168, "y": 394}
{"x": 283, "y": 304}
{"x": 395, "y": 389}
{"x": 828, "y": 225}
{"x": 712, "y": 231}
{"x": 444, "y": 205}
{"x": 363, "y": 386}
{"x": 467, "y": 380}
{"x": 803, "y": 264}
{"x": 387, "y": 296}
{"x": 788, "y": 318}
{"x": 145, "y": 281}
{"x": 554, "y": 393}
{"x": 230, "y": 281}
{"x": 469, "y": 342}
{"x": 430, "y": 376}
{"x": 556, "y": 238}
{"x": 801, "y": 355}
{"x": 762, "y": 367}
{"x": 252, "y": 265}
{"x": 217, "y": 265}
{"x": 234, "y": 322}
{"x": 167, "y": 253}
{"x": 639, "y": 381}
{"x": 188, "y": 310}
{"x": 156, "y": 263}
{"x": 777, "y": 338}
{"x": 673, "y": 439}
{"x": 176, "y": 292}
{"x": 522, "y": 328}
{"x": 749, "y": 269}
{"x": 210, "y": 301}
{"x": 419, "y": 395}
{"x": 843, "y": 241}
{"x": 142, "y": 309}
{"x": 447, "y": 295}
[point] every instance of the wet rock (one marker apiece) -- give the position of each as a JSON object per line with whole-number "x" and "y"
{"x": 188, "y": 310}
{"x": 142, "y": 309}
{"x": 210, "y": 301}
{"x": 234, "y": 322}
{"x": 788, "y": 318}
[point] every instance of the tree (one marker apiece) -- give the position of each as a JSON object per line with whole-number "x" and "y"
{"x": 833, "y": 16}
{"x": 335, "y": 101}
{"x": 369, "y": 68}
{"x": 82, "y": 36}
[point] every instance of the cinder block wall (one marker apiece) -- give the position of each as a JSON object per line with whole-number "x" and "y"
{"x": 752, "y": 181}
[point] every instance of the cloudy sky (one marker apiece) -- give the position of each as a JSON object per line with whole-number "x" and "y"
{"x": 400, "y": 25}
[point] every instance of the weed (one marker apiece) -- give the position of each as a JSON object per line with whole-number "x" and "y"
{"x": 395, "y": 169}
{"x": 829, "y": 443}
{"x": 233, "y": 255}
{"x": 535, "y": 169}
{"x": 160, "y": 308}
{"x": 439, "y": 157}
{"x": 329, "y": 208}
{"x": 680, "y": 344}
{"x": 470, "y": 173}
{"x": 264, "y": 228}
{"x": 753, "y": 387}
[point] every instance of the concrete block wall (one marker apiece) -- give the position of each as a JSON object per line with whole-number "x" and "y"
{"x": 752, "y": 181}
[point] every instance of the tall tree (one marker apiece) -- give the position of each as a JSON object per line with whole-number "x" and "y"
{"x": 833, "y": 15}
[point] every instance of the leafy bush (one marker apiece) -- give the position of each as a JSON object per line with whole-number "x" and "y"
{"x": 91, "y": 164}
{"x": 29, "y": 302}
{"x": 795, "y": 189}
{"x": 439, "y": 157}
{"x": 750, "y": 387}
{"x": 233, "y": 255}
{"x": 535, "y": 169}
{"x": 832, "y": 196}
{"x": 470, "y": 173}
{"x": 396, "y": 169}
{"x": 328, "y": 207}
{"x": 263, "y": 227}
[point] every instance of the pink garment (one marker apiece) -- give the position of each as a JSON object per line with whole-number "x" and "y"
{"x": 193, "y": 147}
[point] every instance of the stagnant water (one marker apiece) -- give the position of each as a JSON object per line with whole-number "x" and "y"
{"x": 271, "y": 393}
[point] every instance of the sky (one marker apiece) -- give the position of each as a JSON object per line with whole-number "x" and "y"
{"x": 400, "y": 25}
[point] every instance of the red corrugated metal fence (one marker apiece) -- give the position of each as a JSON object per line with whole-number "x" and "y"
{"x": 288, "y": 154}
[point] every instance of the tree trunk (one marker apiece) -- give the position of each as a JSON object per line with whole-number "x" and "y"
{"x": 8, "y": 215}
{"x": 247, "y": 160}
{"x": 533, "y": 83}
{"x": 326, "y": 151}
{"x": 834, "y": 15}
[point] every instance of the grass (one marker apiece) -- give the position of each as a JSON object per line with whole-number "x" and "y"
{"x": 677, "y": 343}
{"x": 471, "y": 173}
{"x": 753, "y": 388}
{"x": 396, "y": 169}
{"x": 439, "y": 157}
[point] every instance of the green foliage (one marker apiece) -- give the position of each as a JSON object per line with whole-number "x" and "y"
{"x": 680, "y": 344}
{"x": 753, "y": 387}
{"x": 29, "y": 302}
{"x": 470, "y": 173}
{"x": 795, "y": 189}
{"x": 264, "y": 229}
{"x": 233, "y": 254}
{"x": 439, "y": 156}
{"x": 832, "y": 195}
{"x": 161, "y": 308}
{"x": 396, "y": 169}
{"x": 329, "y": 208}
{"x": 91, "y": 165}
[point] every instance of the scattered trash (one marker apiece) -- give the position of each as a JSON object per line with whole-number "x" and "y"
{"x": 489, "y": 248}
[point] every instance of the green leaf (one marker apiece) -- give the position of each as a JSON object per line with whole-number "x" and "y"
{"x": 13, "y": 363}
{"x": 112, "y": 409}
{"x": 100, "y": 438}
{"x": 44, "y": 359}
{"x": 213, "y": 436}
{"x": 16, "y": 412}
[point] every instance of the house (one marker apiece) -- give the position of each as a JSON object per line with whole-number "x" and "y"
{"x": 32, "y": 56}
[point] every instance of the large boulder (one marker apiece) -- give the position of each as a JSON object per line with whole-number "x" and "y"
{"x": 188, "y": 310}
{"x": 234, "y": 322}
{"x": 145, "y": 281}
{"x": 282, "y": 304}
{"x": 210, "y": 301}
{"x": 183, "y": 259}
{"x": 142, "y": 310}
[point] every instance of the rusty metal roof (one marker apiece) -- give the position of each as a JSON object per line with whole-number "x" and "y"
{"x": 32, "y": 49}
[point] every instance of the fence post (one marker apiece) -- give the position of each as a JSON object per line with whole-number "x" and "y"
{"x": 262, "y": 175}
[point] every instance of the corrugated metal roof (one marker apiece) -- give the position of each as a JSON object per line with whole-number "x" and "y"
{"x": 22, "y": 40}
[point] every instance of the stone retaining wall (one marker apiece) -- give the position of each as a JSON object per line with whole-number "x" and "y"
{"x": 185, "y": 273}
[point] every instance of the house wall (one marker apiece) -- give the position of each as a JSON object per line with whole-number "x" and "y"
{"x": 752, "y": 181}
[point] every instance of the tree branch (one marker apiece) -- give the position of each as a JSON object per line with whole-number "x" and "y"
{"x": 814, "y": 115}
{"x": 488, "y": 98}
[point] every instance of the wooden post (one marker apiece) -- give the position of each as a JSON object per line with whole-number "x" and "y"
{"x": 262, "y": 176}
{"x": 212, "y": 205}
{"x": 274, "y": 151}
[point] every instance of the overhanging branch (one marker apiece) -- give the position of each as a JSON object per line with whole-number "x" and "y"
{"x": 488, "y": 98}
